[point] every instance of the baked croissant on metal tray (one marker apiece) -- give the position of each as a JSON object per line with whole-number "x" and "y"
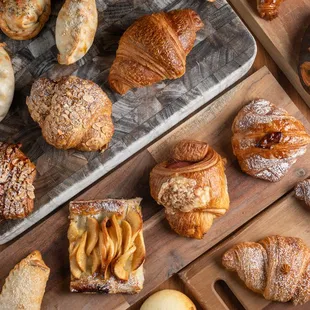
{"x": 276, "y": 267}
{"x": 23, "y": 19}
{"x": 268, "y": 9}
{"x": 267, "y": 140}
{"x": 192, "y": 187}
{"x": 154, "y": 48}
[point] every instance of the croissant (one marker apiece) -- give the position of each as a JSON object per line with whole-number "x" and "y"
{"x": 75, "y": 30}
{"x": 25, "y": 285}
{"x": 7, "y": 82}
{"x": 268, "y": 9}
{"x": 17, "y": 174}
{"x": 192, "y": 187}
{"x": 276, "y": 267}
{"x": 302, "y": 191}
{"x": 72, "y": 112}
{"x": 23, "y": 19}
{"x": 267, "y": 141}
{"x": 153, "y": 49}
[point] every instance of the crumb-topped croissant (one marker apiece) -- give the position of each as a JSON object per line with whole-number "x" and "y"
{"x": 276, "y": 267}
{"x": 192, "y": 187}
{"x": 23, "y": 19}
{"x": 72, "y": 112}
{"x": 268, "y": 9}
{"x": 267, "y": 140}
{"x": 153, "y": 49}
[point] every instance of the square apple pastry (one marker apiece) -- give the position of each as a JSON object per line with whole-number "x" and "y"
{"x": 106, "y": 246}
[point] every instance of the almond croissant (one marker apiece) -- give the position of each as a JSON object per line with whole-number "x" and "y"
{"x": 153, "y": 49}
{"x": 72, "y": 112}
{"x": 276, "y": 267}
{"x": 267, "y": 140}
{"x": 192, "y": 187}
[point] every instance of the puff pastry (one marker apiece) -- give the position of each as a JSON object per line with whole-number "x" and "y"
{"x": 153, "y": 49}
{"x": 7, "y": 82}
{"x": 25, "y": 285}
{"x": 17, "y": 174}
{"x": 72, "y": 112}
{"x": 192, "y": 187}
{"x": 106, "y": 246}
{"x": 76, "y": 27}
{"x": 302, "y": 191}
{"x": 23, "y": 19}
{"x": 276, "y": 267}
{"x": 268, "y": 9}
{"x": 267, "y": 140}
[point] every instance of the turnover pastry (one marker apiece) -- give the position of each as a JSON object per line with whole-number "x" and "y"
{"x": 302, "y": 191}
{"x": 268, "y": 9}
{"x": 276, "y": 267}
{"x": 17, "y": 174}
{"x": 7, "y": 82}
{"x": 267, "y": 140}
{"x": 192, "y": 187}
{"x": 76, "y": 27}
{"x": 72, "y": 112}
{"x": 25, "y": 285}
{"x": 23, "y": 19}
{"x": 106, "y": 246}
{"x": 153, "y": 49}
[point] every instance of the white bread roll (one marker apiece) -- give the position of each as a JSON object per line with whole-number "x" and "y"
{"x": 168, "y": 300}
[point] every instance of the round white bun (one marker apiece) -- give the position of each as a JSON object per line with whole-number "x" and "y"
{"x": 168, "y": 300}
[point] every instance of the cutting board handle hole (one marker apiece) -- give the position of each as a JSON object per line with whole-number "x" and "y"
{"x": 227, "y": 296}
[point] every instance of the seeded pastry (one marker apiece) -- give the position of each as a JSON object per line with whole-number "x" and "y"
{"x": 7, "y": 82}
{"x": 23, "y": 19}
{"x": 17, "y": 173}
{"x": 106, "y": 246}
{"x": 76, "y": 27}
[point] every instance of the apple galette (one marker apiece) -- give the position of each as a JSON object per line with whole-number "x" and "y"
{"x": 106, "y": 246}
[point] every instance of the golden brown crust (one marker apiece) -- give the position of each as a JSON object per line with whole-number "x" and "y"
{"x": 72, "y": 112}
{"x": 276, "y": 267}
{"x": 25, "y": 285}
{"x": 23, "y": 19}
{"x": 193, "y": 193}
{"x": 268, "y": 9}
{"x": 154, "y": 48}
{"x": 17, "y": 174}
{"x": 106, "y": 246}
{"x": 267, "y": 141}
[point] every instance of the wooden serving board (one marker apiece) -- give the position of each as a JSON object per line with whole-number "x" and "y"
{"x": 167, "y": 253}
{"x": 282, "y": 36}
{"x": 287, "y": 217}
{"x": 223, "y": 53}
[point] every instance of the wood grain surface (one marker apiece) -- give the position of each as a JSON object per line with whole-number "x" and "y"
{"x": 282, "y": 36}
{"x": 224, "y": 51}
{"x": 131, "y": 180}
{"x": 288, "y": 217}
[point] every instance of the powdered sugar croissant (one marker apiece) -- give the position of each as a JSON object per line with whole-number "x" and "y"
{"x": 267, "y": 140}
{"x": 302, "y": 191}
{"x": 192, "y": 187}
{"x": 276, "y": 267}
{"x": 153, "y": 49}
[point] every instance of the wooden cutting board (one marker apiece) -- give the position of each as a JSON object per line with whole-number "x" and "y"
{"x": 218, "y": 59}
{"x": 287, "y": 217}
{"x": 282, "y": 36}
{"x": 167, "y": 253}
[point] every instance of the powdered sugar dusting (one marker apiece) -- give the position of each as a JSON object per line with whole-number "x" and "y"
{"x": 302, "y": 191}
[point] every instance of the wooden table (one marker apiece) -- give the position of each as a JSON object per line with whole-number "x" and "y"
{"x": 262, "y": 59}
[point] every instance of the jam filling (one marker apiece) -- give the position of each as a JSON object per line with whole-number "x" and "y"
{"x": 269, "y": 140}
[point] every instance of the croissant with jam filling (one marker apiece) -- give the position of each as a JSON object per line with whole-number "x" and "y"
{"x": 192, "y": 187}
{"x": 268, "y": 9}
{"x": 267, "y": 140}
